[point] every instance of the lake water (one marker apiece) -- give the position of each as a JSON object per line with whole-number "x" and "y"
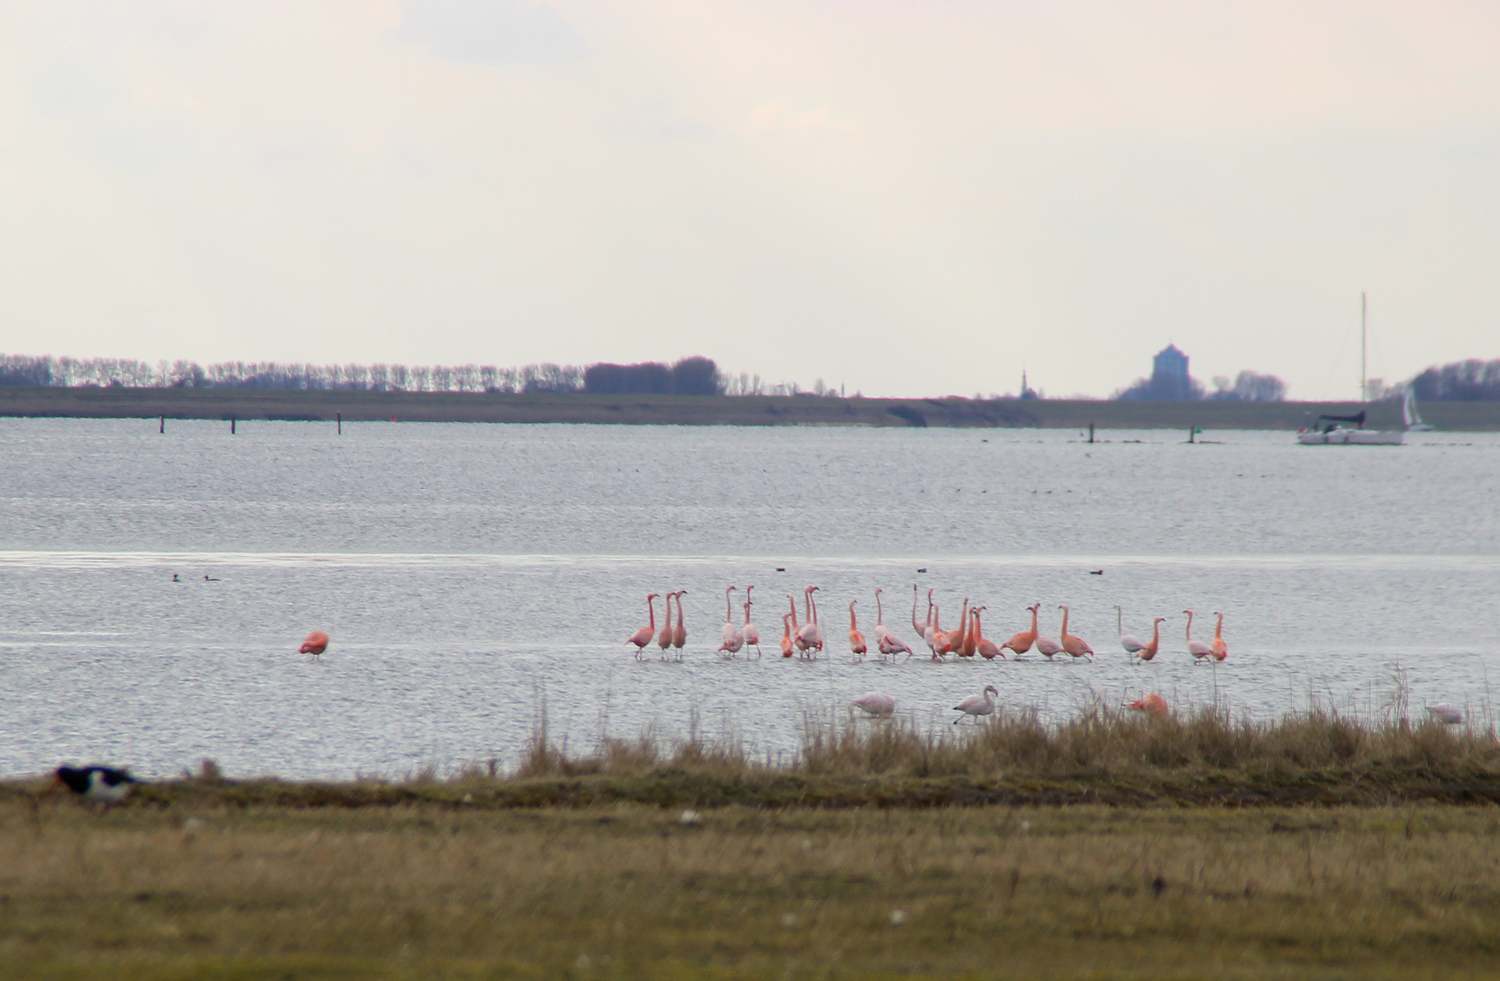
{"x": 473, "y": 575}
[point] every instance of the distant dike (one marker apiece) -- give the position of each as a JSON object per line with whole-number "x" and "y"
{"x": 686, "y": 410}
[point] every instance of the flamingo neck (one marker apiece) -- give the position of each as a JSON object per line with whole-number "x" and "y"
{"x": 1033, "y": 619}
{"x": 879, "y": 613}
{"x": 669, "y": 613}
{"x": 1065, "y": 622}
{"x": 651, "y": 611}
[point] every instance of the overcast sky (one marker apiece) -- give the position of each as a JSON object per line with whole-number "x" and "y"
{"x": 909, "y": 198}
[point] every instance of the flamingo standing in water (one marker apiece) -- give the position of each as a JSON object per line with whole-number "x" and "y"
{"x": 857, "y": 644}
{"x": 969, "y": 645}
{"x": 797, "y": 638}
{"x": 679, "y": 635}
{"x": 920, "y": 628}
{"x": 1201, "y": 652}
{"x": 643, "y": 636}
{"x": 1127, "y": 641}
{"x": 977, "y": 705}
{"x": 733, "y": 639}
{"x": 890, "y": 645}
{"x": 931, "y": 633}
{"x": 1220, "y": 649}
{"x": 1021, "y": 643}
{"x": 983, "y": 645}
{"x": 1073, "y": 644}
{"x": 1148, "y": 651}
{"x": 315, "y": 642}
{"x": 811, "y": 632}
{"x": 750, "y": 633}
{"x": 786, "y": 635}
{"x": 664, "y": 640}
{"x": 876, "y": 703}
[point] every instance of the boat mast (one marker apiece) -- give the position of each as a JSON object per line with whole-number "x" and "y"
{"x": 1364, "y": 388}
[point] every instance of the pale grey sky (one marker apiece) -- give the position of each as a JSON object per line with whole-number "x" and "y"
{"x": 908, "y": 198}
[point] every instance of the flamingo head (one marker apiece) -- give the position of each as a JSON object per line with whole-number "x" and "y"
{"x": 650, "y": 597}
{"x": 1188, "y": 612}
{"x": 992, "y": 690}
{"x": 1034, "y": 607}
{"x": 878, "y": 590}
{"x": 747, "y": 592}
{"x": 1218, "y": 614}
{"x": 813, "y": 589}
{"x": 929, "y": 594}
{"x": 851, "y": 605}
{"x": 1159, "y": 620}
{"x": 1063, "y": 607}
{"x": 730, "y": 589}
{"x": 681, "y": 593}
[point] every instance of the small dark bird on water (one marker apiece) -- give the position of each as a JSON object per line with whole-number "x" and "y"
{"x": 210, "y": 579}
{"x": 96, "y": 784}
{"x": 1096, "y": 572}
{"x": 923, "y": 569}
{"x": 175, "y": 578}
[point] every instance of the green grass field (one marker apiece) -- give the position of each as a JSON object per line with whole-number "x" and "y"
{"x": 202, "y": 890}
{"x": 1106, "y": 846}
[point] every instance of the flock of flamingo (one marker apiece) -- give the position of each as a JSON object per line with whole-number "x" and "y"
{"x": 805, "y": 640}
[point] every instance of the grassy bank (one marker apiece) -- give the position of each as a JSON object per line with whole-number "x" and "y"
{"x": 690, "y": 410}
{"x": 1099, "y": 846}
{"x": 203, "y": 890}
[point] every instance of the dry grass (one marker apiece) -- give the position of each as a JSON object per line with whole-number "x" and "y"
{"x": 420, "y": 891}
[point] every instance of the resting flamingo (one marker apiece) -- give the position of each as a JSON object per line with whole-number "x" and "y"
{"x": 749, "y": 631}
{"x": 316, "y": 642}
{"x": 1148, "y": 651}
{"x": 1446, "y": 713}
{"x": 643, "y": 636}
{"x": 857, "y": 644}
{"x": 1151, "y": 704}
{"x": 1127, "y": 641}
{"x": 983, "y": 645}
{"x": 1073, "y": 644}
{"x": 890, "y": 645}
{"x": 977, "y": 705}
{"x": 679, "y": 635}
{"x": 786, "y": 635}
{"x": 1220, "y": 649}
{"x": 1021, "y": 643}
{"x": 1201, "y": 652}
{"x": 664, "y": 639}
{"x": 876, "y": 703}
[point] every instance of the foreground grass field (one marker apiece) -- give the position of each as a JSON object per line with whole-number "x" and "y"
{"x": 1106, "y": 845}
{"x": 196, "y": 888}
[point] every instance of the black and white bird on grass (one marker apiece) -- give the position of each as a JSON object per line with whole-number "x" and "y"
{"x": 96, "y": 784}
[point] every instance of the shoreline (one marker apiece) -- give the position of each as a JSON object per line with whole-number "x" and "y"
{"x": 794, "y": 410}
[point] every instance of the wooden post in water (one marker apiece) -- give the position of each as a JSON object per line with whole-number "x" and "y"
{"x": 1192, "y": 434}
{"x": 231, "y": 425}
{"x": 340, "y": 417}
{"x": 162, "y": 425}
{"x": 1091, "y": 432}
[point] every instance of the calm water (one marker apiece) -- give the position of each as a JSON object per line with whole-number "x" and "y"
{"x": 472, "y": 574}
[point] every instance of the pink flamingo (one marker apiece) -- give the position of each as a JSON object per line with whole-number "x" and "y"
{"x": 1148, "y": 651}
{"x": 315, "y": 642}
{"x": 1021, "y": 643}
{"x": 1201, "y": 652}
{"x": 749, "y": 632}
{"x": 932, "y": 633}
{"x": 679, "y": 635}
{"x": 1073, "y": 644}
{"x": 856, "y": 639}
{"x": 797, "y": 632}
{"x": 976, "y": 705}
{"x": 733, "y": 639}
{"x": 876, "y": 703}
{"x": 920, "y": 628}
{"x": 1220, "y": 649}
{"x": 664, "y": 640}
{"x": 786, "y": 635}
{"x": 889, "y": 644}
{"x": 643, "y": 636}
{"x": 983, "y": 645}
{"x": 1151, "y": 704}
{"x": 811, "y": 633}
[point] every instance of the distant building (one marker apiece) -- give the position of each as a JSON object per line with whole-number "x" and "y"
{"x": 1169, "y": 374}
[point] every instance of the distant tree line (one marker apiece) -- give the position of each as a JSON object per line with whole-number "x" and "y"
{"x": 690, "y": 376}
{"x": 1461, "y": 381}
{"x": 1248, "y": 386}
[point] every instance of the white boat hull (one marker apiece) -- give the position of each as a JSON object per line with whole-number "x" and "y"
{"x": 1351, "y": 437}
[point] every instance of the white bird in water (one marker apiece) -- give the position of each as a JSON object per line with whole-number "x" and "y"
{"x": 1446, "y": 713}
{"x": 733, "y": 639}
{"x": 1128, "y": 641}
{"x": 977, "y": 705}
{"x": 749, "y": 631}
{"x": 876, "y": 703}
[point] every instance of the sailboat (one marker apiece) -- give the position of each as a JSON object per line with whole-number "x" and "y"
{"x": 1410, "y": 416}
{"x": 1329, "y": 430}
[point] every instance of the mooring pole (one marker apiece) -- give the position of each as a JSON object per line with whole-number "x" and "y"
{"x": 1091, "y": 432}
{"x": 162, "y": 425}
{"x": 231, "y": 425}
{"x": 340, "y": 417}
{"x": 1192, "y": 434}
